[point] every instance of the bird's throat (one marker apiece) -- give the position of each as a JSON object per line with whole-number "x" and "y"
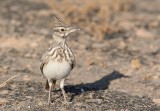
{"x": 59, "y": 42}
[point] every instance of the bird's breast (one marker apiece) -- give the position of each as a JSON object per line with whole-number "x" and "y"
{"x": 56, "y": 70}
{"x": 59, "y": 64}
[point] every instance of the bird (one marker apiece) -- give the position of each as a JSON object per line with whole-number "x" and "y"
{"x": 58, "y": 61}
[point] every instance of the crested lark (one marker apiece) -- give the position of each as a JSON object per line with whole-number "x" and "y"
{"x": 58, "y": 61}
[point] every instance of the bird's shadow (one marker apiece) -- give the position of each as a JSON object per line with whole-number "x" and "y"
{"x": 101, "y": 84}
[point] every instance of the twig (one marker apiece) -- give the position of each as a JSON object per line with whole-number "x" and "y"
{"x": 4, "y": 83}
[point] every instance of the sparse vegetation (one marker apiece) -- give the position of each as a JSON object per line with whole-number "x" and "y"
{"x": 117, "y": 52}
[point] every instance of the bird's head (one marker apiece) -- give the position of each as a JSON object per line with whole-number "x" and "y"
{"x": 60, "y": 31}
{"x": 63, "y": 31}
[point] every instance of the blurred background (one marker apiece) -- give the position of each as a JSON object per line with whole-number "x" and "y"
{"x": 117, "y": 49}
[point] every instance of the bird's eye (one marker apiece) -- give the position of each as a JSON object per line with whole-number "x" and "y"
{"x": 62, "y": 30}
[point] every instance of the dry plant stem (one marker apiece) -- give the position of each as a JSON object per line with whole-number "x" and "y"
{"x": 4, "y": 83}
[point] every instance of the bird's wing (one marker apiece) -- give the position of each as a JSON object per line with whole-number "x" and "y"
{"x": 43, "y": 61}
{"x": 73, "y": 63}
{"x": 41, "y": 66}
{"x": 73, "y": 60}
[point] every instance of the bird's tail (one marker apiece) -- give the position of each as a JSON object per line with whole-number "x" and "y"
{"x": 47, "y": 84}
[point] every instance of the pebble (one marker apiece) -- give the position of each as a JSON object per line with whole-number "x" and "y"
{"x": 135, "y": 63}
{"x": 142, "y": 33}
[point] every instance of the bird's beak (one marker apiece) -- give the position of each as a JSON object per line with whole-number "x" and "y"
{"x": 73, "y": 30}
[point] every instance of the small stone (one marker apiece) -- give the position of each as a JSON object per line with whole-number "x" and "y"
{"x": 29, "y": 97}
{"x": 29, "y": 107}
{"x": 148, "y": 77}
{"x": 28, "y": 55}
{"x": 34, "y": 44}
{"x": 26, "y": 78}
{"x": 103, "y": 64}
{"x": 154, "y": 23}
{"x": 99, "y": 101}
{"x": 13, "y": 86}
{"x": 82, "y": 90}
{"x": 127, "y": 25}
{"x": 4, "y": 69}
{"x": 144, "y": 33}
{"x": 40, "y": 103}
{"x": 135, "y": 63}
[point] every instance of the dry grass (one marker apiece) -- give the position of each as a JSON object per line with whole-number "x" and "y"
{"x": 5, "y": 82}
{"x": 93, "y": 16}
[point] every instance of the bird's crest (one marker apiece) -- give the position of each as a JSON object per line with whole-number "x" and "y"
{"x": 57, "y": 21}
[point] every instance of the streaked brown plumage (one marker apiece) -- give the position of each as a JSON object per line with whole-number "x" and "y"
{"x": 58, "y": 60}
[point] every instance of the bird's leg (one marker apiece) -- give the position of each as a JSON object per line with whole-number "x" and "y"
{"x": 50, "y": 89}
{"x": 63, "y": 91}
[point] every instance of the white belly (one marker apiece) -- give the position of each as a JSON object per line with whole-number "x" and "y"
{"x": 56, "y": 70}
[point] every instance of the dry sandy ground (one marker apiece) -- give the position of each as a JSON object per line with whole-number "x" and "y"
{"x": 117, "y": 53}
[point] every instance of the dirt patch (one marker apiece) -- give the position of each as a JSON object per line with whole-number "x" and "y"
{"x": 18, "y": 43}
{"x": 117, "y": 53}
